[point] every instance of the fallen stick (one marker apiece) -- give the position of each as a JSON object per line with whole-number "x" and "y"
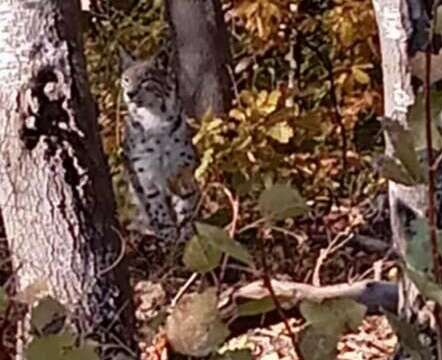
{"x": 373, "y": 294}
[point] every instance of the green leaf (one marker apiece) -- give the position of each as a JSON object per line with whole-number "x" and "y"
{"x": 3, "y": 300}
{"x": 220, "y": 239}
{"x": 281, "y": 132}
{"x": 416, "y": 118}
{"x": 425, "y": 285}
{"x": 281, "y": 201}
{"x": 256, "y": 307}
{"x": 327, "y": 321}
{"x": 418, "y": 251}
{"x": 243, "y": 354}
{"x": 418, "y": 245}
{"x": 86, "y": 352}
{"x": 392, "y": 169}
{"x": 47, "y": 314}
{"x": 201, "y": 255}
{"x": 317, "y": 345}
{"x": 50, "y": 347}
{"x": 408, "y": 335}
{"x": 194, "y": 327}
{"x": 59, "y": 347}
{"x": 404, "y": 149}
{"x": 241, "y": 184}
{"x": 438, "y": 26}
{"x": 334, "y": 315}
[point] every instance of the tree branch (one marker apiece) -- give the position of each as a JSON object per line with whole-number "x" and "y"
{"x": 375, "y": 295}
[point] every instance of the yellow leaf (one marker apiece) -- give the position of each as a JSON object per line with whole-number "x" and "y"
{"x": 360, "y": 76}
{"x": 247, "y": 97}
{"x": 262, "y": 98}
{"x": 281, "y": 132}
{"x": 237, "y": 115}
{"x": 274, "y": 98}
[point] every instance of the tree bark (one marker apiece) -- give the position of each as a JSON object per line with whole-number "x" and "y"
{"x": 403, "y": 31}
{"x": 55, "y": 190}
{"x": 200, "y": 38}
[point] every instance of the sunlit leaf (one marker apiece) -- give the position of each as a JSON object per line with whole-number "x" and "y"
{"x": 360, "y": 75}
{"x": 33, "y": 292}
{"x": 281, "y": 132}
{"x": 194, "y": 328}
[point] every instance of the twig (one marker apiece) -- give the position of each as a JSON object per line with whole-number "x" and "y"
{"x": 234, "y": 203}
{"x": 120, "y": 257}
{"x": 337, "y": 117}
{"x": 184, "y": 288}
{"x": 334, "y": 245}
{"x": 280, "y": 311}
{"x": 253, "y": 225}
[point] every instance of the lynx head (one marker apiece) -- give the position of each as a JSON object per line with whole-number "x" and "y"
{"x": 147, "y": 85}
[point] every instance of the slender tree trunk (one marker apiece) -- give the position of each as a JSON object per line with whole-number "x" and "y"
{"x": 203, "y": 54}
{"x": 403, "y": 31}
{"x": 55, "y": 190}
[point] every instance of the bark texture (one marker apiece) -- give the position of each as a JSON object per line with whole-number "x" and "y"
{"x": 55, "y": 190}
{"x": 403, "y": 31}
{"x": 202, "y": 46}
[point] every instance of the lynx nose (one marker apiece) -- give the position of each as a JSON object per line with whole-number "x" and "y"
{"x": 131, "y": 94}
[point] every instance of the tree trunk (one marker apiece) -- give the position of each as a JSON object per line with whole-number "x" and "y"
{"x": 55, "y": 190}
{"x": 201, "y": 41}
{"x": 403, "y": 31}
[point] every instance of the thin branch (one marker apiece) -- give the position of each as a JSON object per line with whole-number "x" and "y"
{"x": 376, "y": 295}
{"x": 432, "y": 214}
{"x": 337, "y": 116}
{"x": 275, "y": 299}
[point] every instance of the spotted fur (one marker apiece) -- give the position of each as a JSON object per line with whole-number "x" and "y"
{"x": 158, "y": 150}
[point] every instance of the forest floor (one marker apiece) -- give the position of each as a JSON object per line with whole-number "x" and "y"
{"x": 340, "y": 260}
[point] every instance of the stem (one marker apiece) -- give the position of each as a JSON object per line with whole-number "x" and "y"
{"x": 337, "y": 116}
{"x": 437, "y": 265}
{"x": 268, "y": 284}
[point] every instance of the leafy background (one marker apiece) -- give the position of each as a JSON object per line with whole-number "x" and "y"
{"x": 301, "y": 129}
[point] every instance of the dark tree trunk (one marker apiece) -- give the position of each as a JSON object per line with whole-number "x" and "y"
{"x": 201, "y": 41}
{"x": 55, "y": 190}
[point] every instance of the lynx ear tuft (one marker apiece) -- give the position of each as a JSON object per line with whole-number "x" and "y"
{"x": 126, "y": 59}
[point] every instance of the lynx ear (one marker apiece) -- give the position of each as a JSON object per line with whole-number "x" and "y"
{"x": 126, "y": 60}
